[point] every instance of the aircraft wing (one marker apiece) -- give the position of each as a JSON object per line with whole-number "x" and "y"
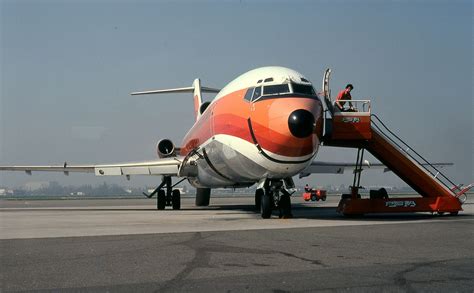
{"x": 163, "y": 166}
{"x": 340, "y": 167}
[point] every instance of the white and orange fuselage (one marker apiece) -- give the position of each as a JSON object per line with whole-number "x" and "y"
{"x": 267, "y": 123}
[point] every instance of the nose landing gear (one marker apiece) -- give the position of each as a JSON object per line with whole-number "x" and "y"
{"x": 274, "y": 196}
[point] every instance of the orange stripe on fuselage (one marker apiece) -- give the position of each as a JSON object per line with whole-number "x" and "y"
{"x": 229, "y": 115}
{"x": 203, "y": 128}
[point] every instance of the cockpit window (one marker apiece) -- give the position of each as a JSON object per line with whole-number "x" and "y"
{"x": 248, "y": 94}
{"x": 303, "y": 89}
{"x": 257, "y": 93}
{"x": 276, "y": 89}
{"x": 280, "y": 91}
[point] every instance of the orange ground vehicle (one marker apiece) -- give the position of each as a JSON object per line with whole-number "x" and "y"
{"x": 315, "y": 195}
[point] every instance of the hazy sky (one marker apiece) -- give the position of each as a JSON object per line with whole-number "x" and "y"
{"x": 67, "y": 68}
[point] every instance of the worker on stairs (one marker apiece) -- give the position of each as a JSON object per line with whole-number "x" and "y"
{"x": 344, "y": 95}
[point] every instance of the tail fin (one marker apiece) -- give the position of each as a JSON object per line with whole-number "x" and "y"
{"x": 196, "y": 89}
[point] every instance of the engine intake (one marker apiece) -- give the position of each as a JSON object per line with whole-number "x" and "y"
{"x": 165, "y": 148}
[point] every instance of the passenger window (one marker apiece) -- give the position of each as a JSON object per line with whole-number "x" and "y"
{"x": 257, "y": 93}
{"x": 248, "y": 94}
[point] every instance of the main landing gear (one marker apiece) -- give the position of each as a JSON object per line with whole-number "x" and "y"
{"x": 274, "y": 196}
{"x": 166, "y": 195}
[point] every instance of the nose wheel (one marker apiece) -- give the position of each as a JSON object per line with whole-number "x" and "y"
{"x": 285, "y": 206}
{"x": 273, "y": 197}
{"x": 266, "y": 206}
{"x": 258, "y": 199}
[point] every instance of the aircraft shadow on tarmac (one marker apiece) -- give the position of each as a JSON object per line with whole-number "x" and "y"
{"x": 300, "y": 211}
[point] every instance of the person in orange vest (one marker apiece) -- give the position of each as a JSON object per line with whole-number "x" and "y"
{"x": 345, "y": 94}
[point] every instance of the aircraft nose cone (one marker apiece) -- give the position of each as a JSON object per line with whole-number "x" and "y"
{"x": 301, "y": 123}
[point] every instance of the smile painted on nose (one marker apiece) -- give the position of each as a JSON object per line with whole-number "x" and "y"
{"x": 301, "y": 123}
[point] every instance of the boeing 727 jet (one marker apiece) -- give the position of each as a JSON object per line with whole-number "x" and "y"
{"x": 262, "y": 128}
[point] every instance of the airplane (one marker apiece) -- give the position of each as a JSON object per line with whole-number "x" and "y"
{"x": 263, "y": 128}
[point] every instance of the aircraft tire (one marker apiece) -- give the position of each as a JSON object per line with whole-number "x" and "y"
{"x": 285, "y": 207}
{"x": 258, "y": 198}
{"x": 203, "y": 196}
{"x": 161, "y": 200}
{"x": 176, "y": 199}
{"x": 266, "y": 206}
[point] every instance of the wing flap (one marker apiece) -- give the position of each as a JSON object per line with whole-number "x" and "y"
{"x": 108, "y": 171}
{"x": 136, "y": 171}
{"x": 164, "y": 170}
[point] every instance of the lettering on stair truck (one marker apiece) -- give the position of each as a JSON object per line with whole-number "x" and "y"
{"x": 351, "y": 119}
{"x": 400, "y": 203}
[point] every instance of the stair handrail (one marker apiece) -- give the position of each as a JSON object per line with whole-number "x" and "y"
{"x": 455, "y": 186}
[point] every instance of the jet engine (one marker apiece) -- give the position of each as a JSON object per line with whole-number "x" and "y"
{"x": 165, "y": 148}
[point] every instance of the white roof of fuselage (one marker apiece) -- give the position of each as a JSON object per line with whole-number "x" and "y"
{"x": 250, "y": 78}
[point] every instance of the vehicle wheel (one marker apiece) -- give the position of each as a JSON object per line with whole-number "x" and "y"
{"x": 161, "y": 200}
{"x": 383, "y": 193}
{"x": 203, "y": 196}
{"x": 266, "y": 206}
{"x": 258, "y": 198}
{"x": 454, "y": 213}
{"x": 314, "y": 197}
{"x": 285, "y": 207}
{"x": 346, "y": 196}
{"x": 323, "y": 198}
{"x": 176, "y": 199}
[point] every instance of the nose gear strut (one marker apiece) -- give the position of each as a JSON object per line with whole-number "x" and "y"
{"x": 274, "y": 196}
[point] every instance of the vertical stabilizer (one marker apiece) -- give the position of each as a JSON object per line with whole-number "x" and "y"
{"x": 197, "y": 97}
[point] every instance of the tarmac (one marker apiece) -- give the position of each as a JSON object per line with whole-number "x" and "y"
{"x": 117, "y": 245}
